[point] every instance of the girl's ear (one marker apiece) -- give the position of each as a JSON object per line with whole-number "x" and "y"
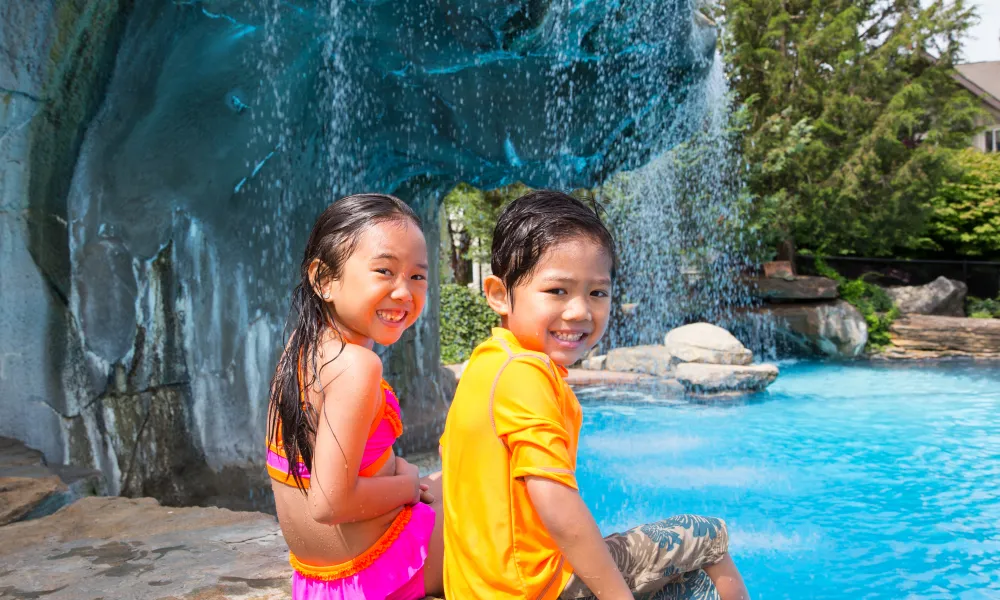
{"x": 319, "y": 283}
{"x": 496, "y": 295}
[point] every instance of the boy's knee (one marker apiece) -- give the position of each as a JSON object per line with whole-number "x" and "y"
{"x": 705, "y": 540}
{"x": 695, "y": 526}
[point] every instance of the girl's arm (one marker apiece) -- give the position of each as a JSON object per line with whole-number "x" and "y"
{"x": 337, "y": 494}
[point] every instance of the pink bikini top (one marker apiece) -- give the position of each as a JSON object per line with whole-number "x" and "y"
{"x": 382, "y": 434}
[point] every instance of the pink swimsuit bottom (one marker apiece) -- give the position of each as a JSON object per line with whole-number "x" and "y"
{"x": 394, "y": 568}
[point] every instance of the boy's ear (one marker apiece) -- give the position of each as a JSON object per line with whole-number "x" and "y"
{"x": 496, "y": 295}
{"x": 320, "y": 284}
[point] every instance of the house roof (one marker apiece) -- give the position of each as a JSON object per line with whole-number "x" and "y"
{"x": 982, "y": 79}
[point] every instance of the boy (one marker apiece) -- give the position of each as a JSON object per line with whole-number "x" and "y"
{"x": 515, "y": 525}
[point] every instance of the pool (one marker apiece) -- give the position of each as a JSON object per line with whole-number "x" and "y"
{"x": 841, "y": 481}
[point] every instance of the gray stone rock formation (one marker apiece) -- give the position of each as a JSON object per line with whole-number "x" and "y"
{"x": 832, "y": 329}
{"x": 706, "y": 343}
{"x": 594, "y": 363}
{"x": 651, "y": 360}
{"x": 942, "y": 297}
{"x": 162, "y": 162}
{"x": 700, "y": 357}
{"x": 714, "y": 379}
{"x": 55, "y": 60}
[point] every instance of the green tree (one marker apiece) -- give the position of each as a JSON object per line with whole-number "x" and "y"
{"x": 472, "y": 213}
{"x": 853, "y": 115}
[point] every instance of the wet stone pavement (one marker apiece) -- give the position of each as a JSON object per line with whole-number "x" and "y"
{"x": 104, "y": 548}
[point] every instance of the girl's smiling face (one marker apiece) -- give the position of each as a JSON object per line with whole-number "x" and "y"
{"x": 382, "y": 287}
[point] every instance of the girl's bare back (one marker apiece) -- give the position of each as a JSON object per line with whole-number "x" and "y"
{"x": 320, "y": 544}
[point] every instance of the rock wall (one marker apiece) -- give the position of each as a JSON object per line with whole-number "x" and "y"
{"x": 55, "y": 60}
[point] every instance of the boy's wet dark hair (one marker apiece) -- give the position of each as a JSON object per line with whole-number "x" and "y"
{"x": 535, "y": 222}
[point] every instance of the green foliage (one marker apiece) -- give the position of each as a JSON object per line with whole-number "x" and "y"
{"x": 467, "y": 231}
{"x": 875, "y": 305}
{"x": 474, "y": 212}
{"x": 825, "y": 270}
{"x": 851, "y": 121}
{"x": 877, "y": 308}
{"x": 965, "y": 214}
{"x": 982, "y": 308}
{"x": 466, "y": 320}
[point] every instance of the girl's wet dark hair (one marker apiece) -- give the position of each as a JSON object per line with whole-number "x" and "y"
{"x": 333, "y": 240}
{"x": 535, "y": 222}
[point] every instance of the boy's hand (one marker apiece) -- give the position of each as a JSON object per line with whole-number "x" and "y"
{"x": 571, "y": 525}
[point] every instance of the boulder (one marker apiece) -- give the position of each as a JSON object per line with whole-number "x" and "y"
{"x": 834, "y": 329}
{"x": 651, "y": 360}
{"x": 594, "y": 363}
{"x": 929, "y": 336}
{"x": 710, "y": 379}
{"x": 706, "y": 343}
{"x": 943, "y": 297}
{"x": 797, "y": 289}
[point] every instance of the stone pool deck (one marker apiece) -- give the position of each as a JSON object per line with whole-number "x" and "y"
{"x": 112, "y": 547}
{"x": 589, "y": 377}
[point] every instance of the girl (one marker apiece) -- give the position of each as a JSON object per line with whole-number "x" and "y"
{"x": 358, "y": 521}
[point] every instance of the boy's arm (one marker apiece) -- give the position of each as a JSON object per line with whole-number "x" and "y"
{"x": 571, "y": 525}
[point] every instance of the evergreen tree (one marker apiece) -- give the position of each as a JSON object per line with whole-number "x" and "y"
{"x": 853, "y": 115}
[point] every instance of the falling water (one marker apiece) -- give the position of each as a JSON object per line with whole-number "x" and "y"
{"x": 681, "y": 217}
{"x": 681, "y": 222}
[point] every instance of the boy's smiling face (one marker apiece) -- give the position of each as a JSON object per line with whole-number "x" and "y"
{"x": 562, "y": 307}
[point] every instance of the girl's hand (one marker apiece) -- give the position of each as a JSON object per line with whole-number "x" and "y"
{"x": 425, "y": 496}
{"x": 411, "y": 473}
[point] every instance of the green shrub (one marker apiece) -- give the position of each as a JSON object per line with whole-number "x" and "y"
{"x": 875, "y": 305}
{"x": 965, "y": 215}
{"x": 466, "y": 321}
{"x": 982, "y": 308}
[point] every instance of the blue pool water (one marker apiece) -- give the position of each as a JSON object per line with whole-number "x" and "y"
{"x": 840, "y": 481}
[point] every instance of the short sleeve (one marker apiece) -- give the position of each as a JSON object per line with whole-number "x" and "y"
{"x": 529, "y": 419}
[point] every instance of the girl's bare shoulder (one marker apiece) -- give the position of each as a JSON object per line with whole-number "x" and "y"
{"x": 350, "y": 369}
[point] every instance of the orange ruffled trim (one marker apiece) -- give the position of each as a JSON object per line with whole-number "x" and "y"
{"x": 393, "y": 417}
{"x": 360, "y": 562}
{"x": 388, "y": 412}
